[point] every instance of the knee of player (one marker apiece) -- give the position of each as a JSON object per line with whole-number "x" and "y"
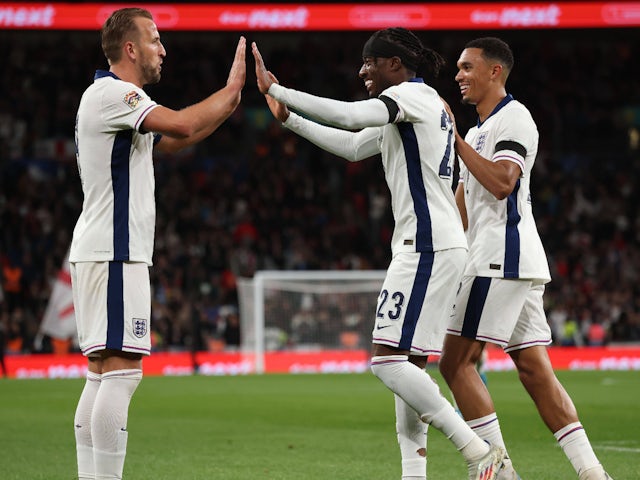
{"x": 447, "y": 367}
{"x": 388, "y": 368}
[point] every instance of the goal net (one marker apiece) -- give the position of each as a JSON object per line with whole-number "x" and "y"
{"x": 298, "y": 311}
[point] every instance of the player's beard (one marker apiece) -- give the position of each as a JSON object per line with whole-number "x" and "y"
{"x": 151, "y": 74}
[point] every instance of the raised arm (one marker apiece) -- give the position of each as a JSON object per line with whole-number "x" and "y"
{"x": 348, "y": 115}
{"x": 353, "y": 146}
{"x": 190, "y": 125}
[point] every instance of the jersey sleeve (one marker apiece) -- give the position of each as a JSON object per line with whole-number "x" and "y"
{"x": 516, "y": 137}
{"x": 347, "y": 115}
{"x": 126, "y": 106}
{"x": 393, "y": 99}
{"x": 408, "y": 101}
{"x": 353, "y": 146}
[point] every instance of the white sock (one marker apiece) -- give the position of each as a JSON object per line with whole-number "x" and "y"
{"x": 109, "y": 421}
{"x": 82, "y": 427}
{"x": 412, "y": 437}
{"x": 488, "y": 428}
{"x": 575, "y": 444}
{"x": 422, "y": 394}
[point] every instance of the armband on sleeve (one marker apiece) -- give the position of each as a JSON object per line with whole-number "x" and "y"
{"x": 392, "y": 107}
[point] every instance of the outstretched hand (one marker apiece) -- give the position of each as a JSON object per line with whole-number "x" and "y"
{"x": 265, "y": 79}
{"x": 238, "y": 71}
{"x": 262, "y": 74}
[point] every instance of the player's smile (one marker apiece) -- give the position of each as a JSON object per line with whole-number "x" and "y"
{"x": 369, "y": 72}
{"x": 369, "y": 86}
{"x": 466, "y": 92}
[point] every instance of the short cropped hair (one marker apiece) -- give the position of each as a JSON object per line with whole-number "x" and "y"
{"x": 494, "y": 49}
{"x": 117, "y": 27}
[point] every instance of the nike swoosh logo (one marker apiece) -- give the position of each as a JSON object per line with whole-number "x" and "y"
{"x": 380, "y": 327}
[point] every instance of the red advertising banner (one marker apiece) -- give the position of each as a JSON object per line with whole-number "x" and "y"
{"x": 330, "y": 16}
{"x": 575, "y": 358}
{"x": 327, "y": 361}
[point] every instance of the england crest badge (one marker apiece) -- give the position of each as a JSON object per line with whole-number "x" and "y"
{"x": 139, "y": 327}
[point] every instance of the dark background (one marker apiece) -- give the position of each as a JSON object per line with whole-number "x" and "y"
{"x": 254, "y": 196}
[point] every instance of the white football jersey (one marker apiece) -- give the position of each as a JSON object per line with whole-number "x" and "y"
{"x": 417, "y": 155}
{"x": 503, "y": 237}
{"x": 117, "y": 222}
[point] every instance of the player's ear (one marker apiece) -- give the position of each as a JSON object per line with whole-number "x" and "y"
{"x": 395, "y": 64}
{"x": 496, "y": 70}
{"x": 129, "y": 49}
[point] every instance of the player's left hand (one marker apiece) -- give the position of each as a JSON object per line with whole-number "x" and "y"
{"x": 278, "y": 109}
{"x": 449, "y": 112}
{"x": 263, "y": 76}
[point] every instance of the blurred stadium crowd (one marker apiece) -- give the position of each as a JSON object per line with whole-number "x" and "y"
{"x": 255, "y": 196}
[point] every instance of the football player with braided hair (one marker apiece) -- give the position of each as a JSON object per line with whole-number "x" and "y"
{"x": 405, "y": 121}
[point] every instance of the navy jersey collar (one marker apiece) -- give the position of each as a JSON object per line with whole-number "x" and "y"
{"x": 502, "y": 103}
{"x": 104, "y": 73}
{"x": 417, "y": 79}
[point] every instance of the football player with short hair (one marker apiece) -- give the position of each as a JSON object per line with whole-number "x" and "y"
{"x": 117, "y": 128}
{"x": 500, "y": 297}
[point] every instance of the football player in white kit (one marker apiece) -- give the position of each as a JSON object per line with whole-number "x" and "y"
{"x": 405, "y": 121}
{"x": 117, "y": 127}
{"x": 500, "y": 296}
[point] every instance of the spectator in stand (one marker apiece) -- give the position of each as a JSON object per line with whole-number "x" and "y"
{"x": 13, "y": 286}
{"x": 596, "y": 335}
{"x": 3, "y": 327}
{"x": 229, "y": 324}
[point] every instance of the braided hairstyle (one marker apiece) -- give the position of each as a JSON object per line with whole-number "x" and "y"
{"x": 426, "y": 60}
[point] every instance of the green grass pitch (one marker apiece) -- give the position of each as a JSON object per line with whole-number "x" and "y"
{"x": 311, "y": 427}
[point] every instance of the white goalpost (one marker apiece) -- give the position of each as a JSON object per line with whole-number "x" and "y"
{"x": 302, "y": 311}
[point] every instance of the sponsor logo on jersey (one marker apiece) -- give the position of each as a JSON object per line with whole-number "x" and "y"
{"x": 380, "y": 327}
{"x": 132, "y": 99}
{"x": 139, "y": 327}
